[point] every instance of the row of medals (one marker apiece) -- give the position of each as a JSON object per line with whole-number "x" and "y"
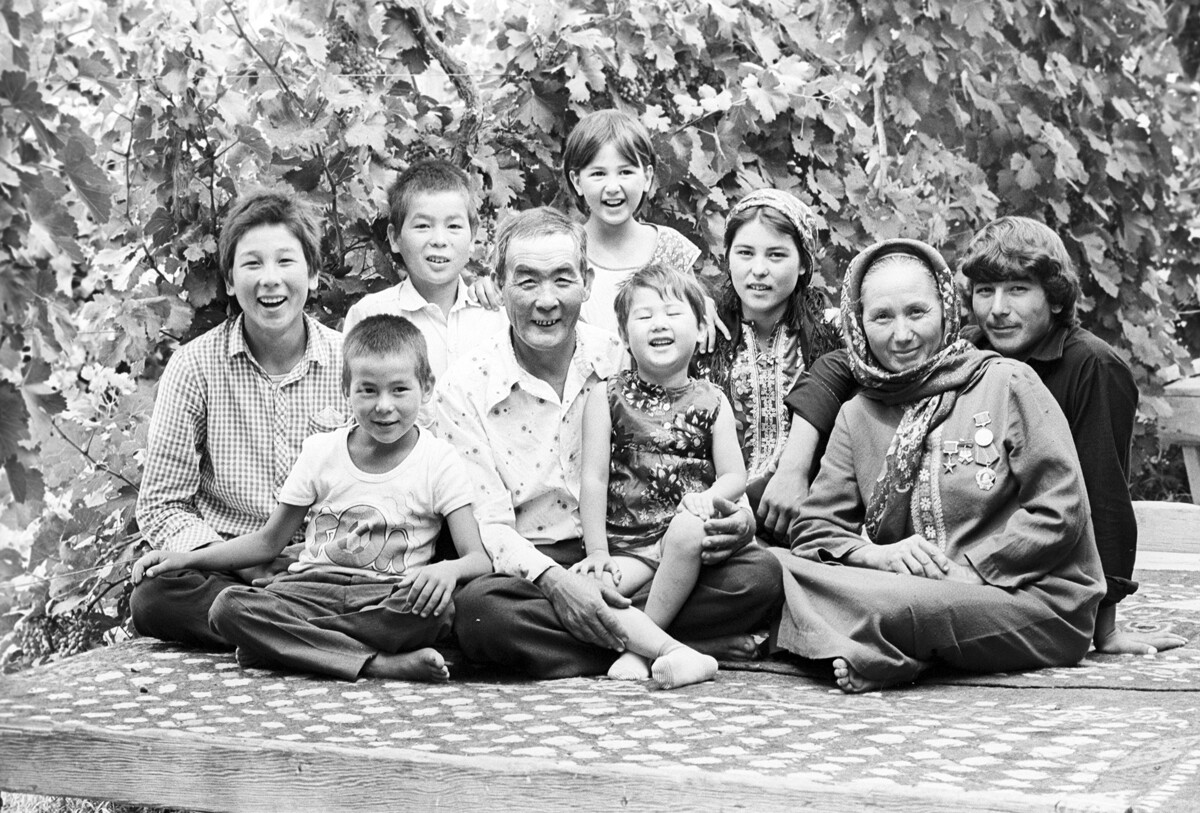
{"x": 979, "y": 451}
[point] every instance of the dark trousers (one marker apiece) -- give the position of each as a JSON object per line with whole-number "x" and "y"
{"x": 174, "y": 607}
{"x": 508, "y": 621}
{"x": 324, "y": 623}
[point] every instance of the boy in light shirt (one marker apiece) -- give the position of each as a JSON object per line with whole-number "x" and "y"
{"x": 433, "y": 219}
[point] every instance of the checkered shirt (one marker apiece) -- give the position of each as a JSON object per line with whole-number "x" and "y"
{"x": 224, "y": 435}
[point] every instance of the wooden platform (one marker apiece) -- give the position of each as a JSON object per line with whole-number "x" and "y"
{"x": 154, "y": 724}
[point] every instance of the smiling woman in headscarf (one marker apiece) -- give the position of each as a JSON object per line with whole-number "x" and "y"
{"x": 776, "y": 329}
{"x": 949, "y": 521}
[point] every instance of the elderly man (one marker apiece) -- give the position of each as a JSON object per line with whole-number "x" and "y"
{"x": 514, "y": 409}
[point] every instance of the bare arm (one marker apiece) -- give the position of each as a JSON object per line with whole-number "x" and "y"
{"x": 255, "y": 548}
{"x": 593, "y": 486}
{"x": 788, "y": 486}
{"x": 727, "y": 456}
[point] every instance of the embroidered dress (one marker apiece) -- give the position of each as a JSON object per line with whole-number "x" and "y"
{"x": 661, "y": 450}
{"x": 759, "y": 379}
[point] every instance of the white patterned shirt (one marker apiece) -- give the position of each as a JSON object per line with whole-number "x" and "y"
{"x": 224, "y": 434}
{"x": 449, "y": 336}
{"x": 523, "y": 444}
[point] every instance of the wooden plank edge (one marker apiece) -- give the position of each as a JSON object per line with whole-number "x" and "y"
{"x": 207, "y": 772}
{"x": 1167, "y": 527}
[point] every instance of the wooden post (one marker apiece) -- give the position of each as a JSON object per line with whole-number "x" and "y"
{"x": 1183, "y": 427}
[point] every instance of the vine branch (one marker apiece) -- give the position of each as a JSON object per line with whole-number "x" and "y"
{"x": 468, "y": 132}
{"x": 98, "y": 464}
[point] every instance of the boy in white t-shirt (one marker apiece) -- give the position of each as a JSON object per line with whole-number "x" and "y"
{"x": 433, "y": 219}
{"x": 363, "y": 600}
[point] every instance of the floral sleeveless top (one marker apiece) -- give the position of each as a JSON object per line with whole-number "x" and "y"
{"x": 661, "y": 450}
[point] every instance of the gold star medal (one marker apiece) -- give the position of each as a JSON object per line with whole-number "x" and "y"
{"x": 949, "y": 451}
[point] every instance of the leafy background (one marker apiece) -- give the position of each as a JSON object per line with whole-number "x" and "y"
{"x": 127, "y": 128}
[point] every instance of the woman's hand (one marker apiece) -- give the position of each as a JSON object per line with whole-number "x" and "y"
{"x": 914, "y": 555}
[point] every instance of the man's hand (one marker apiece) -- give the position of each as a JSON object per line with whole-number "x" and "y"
{"x": 584, "y": 606}
{"x": 780, "y": 502}
{"x": 729, "y": 530}
{"x": 155, "y": 562}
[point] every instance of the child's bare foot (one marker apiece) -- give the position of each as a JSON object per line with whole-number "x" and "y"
{"x": 682, "y": 666}
{"x": 630, "y": 666}
{"x": 850, "y": 681}
{"x": 425, "y": 665}
{"x": 728, "y": 647}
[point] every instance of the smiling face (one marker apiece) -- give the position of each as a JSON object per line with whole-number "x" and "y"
{"x": 270, "y": 279}
{"x": 1014, "y": 314}
{"x": 612, "y": 186}
{"x": 902, "y": 315}
{"x": 543, "y": 288}
{"x": 764, "y": 266}
{"x": 661, "y": 333}
{"x": 386, "y": 394}
{"x": 434, "y": 240}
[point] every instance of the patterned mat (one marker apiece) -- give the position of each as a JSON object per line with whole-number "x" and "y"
{"x": 1166, "y": 600}
{"x": 1117, "y": 747}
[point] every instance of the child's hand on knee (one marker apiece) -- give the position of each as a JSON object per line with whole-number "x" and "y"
{"x": 600, "y": 566}
{"x": 699, "y": 504}
{"x": 430, "y": 590}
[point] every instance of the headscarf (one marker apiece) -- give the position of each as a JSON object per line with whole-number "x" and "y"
{"x": 796, "y": 212}
{"x": 927, "y": 392}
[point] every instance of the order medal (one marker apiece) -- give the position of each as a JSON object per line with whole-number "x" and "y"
{"x": 985, "y": 479}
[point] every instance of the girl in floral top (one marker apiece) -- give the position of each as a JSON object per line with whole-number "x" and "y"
{"x": 776, "y": 322}
{"x": 658, "y": 447}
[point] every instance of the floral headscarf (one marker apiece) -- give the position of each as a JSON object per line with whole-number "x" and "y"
{"x": 927, "y": 391}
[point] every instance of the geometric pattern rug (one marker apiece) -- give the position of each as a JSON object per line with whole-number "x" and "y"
{"x": 1168, "y": 600}
{"x": 1116, "y": 733}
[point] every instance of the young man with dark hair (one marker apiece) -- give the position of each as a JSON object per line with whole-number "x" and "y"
{"x": 1022, "y": 289}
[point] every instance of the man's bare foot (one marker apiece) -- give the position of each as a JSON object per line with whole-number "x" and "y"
{"x": 1125, "y": 642}
{"x": 425, "y": 665}
{"x": 728, "y": 647}
{"x": 630, "y": 666}
{"x": 682, "y": 666}
{"x": 850, "y": 681}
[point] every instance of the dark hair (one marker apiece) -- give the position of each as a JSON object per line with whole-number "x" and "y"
{"x": 1022, "y": 248}
{"x": 805, "y": 309}
{"x": 430, "y": 175}
{"x": 541, "y": 221}
{"x": 265, "y": 208}
{"x": 386, "y": 334}
{"x": 623, "y": 131}
{"x": 663, "y": 281}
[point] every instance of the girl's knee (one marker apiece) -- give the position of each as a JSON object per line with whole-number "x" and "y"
{"x": 685, "y": 534}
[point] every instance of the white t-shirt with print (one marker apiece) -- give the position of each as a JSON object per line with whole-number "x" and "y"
{"x": 404, "y": 507}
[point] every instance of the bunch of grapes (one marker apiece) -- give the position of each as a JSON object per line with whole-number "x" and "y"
{"x": 346, "y": 49}
{"x": 68, "y": 634}
{"x": 633, "y": 90}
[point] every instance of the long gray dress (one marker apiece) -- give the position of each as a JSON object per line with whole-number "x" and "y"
{"x": 999, "y": 488}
